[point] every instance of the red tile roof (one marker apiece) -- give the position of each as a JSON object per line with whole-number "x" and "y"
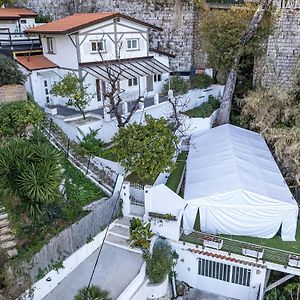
{"x": 35, "y": 62}
{"x": 16, "y": 13}
{"x": 79, "y": 21}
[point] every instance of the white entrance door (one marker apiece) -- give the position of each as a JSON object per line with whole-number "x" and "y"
{"x": 47, "y": 89}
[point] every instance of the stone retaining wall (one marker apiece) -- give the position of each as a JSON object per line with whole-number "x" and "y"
{"x": 14, "y": 92}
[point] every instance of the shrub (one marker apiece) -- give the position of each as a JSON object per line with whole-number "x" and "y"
{"x": 205, "y": 109}
{"x": 92, "y": 293}
{"x": 91, "y": 143}
{"x": 160, "y": 263}
{"x": 43, "y": 18}
{"x": 9, "y": 72}
{"x": 177, "y": 84}
{"x": 201, "y": 81}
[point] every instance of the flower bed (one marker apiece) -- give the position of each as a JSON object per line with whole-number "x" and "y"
{"x": 253, "y": 251}
{"x": 294, "y": 261}
{"x": 168, "y": 217}
{"x": 212, "y": 242}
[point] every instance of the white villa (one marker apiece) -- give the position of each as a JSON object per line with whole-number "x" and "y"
{"x": 96, "y": 47}
{"x": 235, "y": 205}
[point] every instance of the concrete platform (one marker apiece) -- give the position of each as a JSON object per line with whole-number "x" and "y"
{"x": 195, "y": 294}
{"x": 115, "y": 271}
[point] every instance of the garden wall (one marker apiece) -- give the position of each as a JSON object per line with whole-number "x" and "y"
{"x": 74, "y": 237}
{"x": 14, "y": 92}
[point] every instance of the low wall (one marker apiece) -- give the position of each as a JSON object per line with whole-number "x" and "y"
{"x": 74, "y": 237}
{"x": 14, "y": 92}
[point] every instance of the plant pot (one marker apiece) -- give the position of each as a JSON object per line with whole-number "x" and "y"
{"x": 294, "y": 261}
{"x": 213, "y": 244}
{"x": 253, "y": 253}
{"x": 51, "y": 110}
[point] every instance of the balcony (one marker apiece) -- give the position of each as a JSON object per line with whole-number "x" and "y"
{"x": 274, "y": 250}
{"x": 16, "y": 42}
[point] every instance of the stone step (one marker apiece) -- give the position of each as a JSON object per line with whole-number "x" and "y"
{"x": 4, "y": 223}
{"x": 12, "y": 253}
{"x": 8, "y": 245}
{"x": 3, "y": 216}
{"x": 120, "y": 231}
{"x": 6, "y": 238}
{"x": 5, "y": 230}
{"x": 119, "y": 242}
{"x": 124, "y": 222}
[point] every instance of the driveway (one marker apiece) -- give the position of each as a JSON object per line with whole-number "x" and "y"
{"x": 115, "y": 271}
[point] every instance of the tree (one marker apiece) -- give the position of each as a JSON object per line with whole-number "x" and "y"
{"x": 225, "y": 108}
{"x": 15, "y": 117}
{"x": 72, "y": 87}
{"x": 9, "y": 71}
{"x": 32, "y": 172}
{"x": 92, "y": 293}
{"x": 146, "y": 150}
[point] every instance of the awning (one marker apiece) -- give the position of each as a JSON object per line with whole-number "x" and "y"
{"x": 125, "y": 69}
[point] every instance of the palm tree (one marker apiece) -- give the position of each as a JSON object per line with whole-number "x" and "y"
{"x": 92, "y": 293}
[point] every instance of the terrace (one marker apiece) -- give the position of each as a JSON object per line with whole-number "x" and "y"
{"x": 275, "y": 250}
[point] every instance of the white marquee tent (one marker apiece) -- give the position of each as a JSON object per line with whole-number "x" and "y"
{"x": 235, "y": 183}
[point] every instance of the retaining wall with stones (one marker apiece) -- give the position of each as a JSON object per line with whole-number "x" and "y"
{"x": 73, "y": 237}
{"x": 14, "y": 92}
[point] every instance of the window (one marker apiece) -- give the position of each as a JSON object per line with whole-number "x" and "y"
{"x": 132, "y": 81}
{"x": 98, "y": 46}
{"x": 23, "y": 21}
{"x": 133, "y": 44}
{"x": 224, "y": 272}
{"x": 50, "y": 45}
{"x": 157, "y": 77}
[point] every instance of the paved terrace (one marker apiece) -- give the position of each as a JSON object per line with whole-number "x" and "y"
{"x": 275, "y": 250}
{"x": 69, "y": 112}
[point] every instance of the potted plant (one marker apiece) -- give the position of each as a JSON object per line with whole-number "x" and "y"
{"x": 253, "y": 251}
{"x": 294, "y": 260}
{"x": 212, "y": 242}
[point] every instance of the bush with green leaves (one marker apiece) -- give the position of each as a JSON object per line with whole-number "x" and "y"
{"x": 145, "y": 150}
{"x": 15, "y": 117}
{"x": 201, "y": 81}
{"x": 205, "y": 109}
{"x": 160, "y": 263}
{"x": 140, "y": 234}
{"x": 178, "y": 85}
{"x": 31, "y": 172}
{"x": 92, "y": 293}
{"x": 9, "y": 72}
{"x": 91, "y": 144}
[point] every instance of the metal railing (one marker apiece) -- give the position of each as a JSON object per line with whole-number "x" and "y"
{"x": 230, "y": 245}
{"x": 18, "y": 40}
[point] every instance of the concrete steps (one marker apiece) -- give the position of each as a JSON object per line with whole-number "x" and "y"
{"x": 7, "y": 239}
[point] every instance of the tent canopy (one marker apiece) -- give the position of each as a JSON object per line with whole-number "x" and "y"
{"x": 234, "y": 181}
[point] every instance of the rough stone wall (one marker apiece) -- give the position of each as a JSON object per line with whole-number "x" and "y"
{"x": 73, "y": 237}
{"x": 283, "y": 52}
{"x": 176, "y": 17}
{"x": 9, "y": 93}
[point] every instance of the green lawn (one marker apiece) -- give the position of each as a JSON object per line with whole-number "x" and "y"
{"x": 275, "y": 250}
{"x": 174, "y": 178}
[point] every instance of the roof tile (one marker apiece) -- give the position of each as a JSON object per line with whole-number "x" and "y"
{"x": 35, "y": 62}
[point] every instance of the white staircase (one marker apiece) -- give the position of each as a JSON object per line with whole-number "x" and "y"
{"x": 118, "y": 235}
{"x": 7, "y": 239}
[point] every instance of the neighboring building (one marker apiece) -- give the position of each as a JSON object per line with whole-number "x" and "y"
{"x": 96, "y": 47}
{"x": 226, "y": 230}
{"x": 13, "y": 40}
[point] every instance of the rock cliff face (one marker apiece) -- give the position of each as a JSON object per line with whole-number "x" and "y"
{"x": 282, "y": 64}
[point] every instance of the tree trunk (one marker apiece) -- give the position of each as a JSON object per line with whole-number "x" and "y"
{"x": 224, "y": 111}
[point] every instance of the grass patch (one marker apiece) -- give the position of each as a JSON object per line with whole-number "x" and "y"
{"x": 174, "y": 178}
{"x": 205, "y": 109}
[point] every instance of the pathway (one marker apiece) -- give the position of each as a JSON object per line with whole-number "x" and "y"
{"x": 118, "y": 266}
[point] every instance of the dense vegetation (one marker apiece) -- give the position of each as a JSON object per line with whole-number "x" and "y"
{"x": 205, "y": 109}
{"x": 145, "y": 150}
{"x": 9, "y": 71}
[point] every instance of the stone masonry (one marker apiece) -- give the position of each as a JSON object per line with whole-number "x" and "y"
{"x": 283, "y": 53}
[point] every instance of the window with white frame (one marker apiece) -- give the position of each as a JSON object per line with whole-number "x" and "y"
{"x": 224, "y": 272}
{"x": 98, "y": 46}
{"x": 157, "y": 77}
{"x": 50, "y": 45}
{"x": 132, "y": 44}
{"x": 132, "y": 82}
